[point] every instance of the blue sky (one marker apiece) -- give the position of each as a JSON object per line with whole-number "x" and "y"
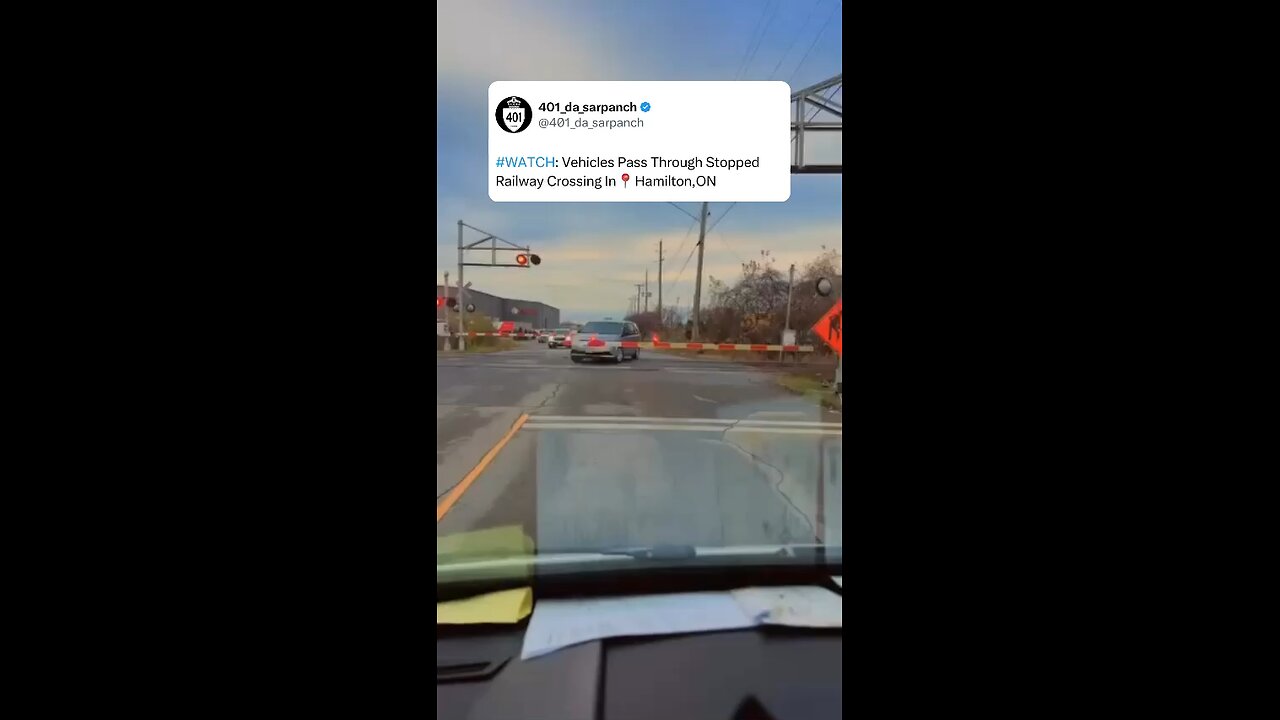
{"x": 593, "y": 253}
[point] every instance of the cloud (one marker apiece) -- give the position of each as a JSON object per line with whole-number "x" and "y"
{"x": 480, "y": 41}
{"x": 595, "y": 252}
{"x": 591, "y": 275}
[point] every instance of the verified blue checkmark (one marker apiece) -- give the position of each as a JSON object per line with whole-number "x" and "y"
{"x": 644, "y": 107}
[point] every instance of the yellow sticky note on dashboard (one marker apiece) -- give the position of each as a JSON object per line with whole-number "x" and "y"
{"x": 504, "y": 606}
{"x": 506, "y": 541}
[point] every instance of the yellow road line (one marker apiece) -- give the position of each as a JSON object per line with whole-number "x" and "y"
{"x": 461, "y": 487}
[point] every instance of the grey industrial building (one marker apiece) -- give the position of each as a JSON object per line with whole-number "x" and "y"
{"x": 526, "y": 314}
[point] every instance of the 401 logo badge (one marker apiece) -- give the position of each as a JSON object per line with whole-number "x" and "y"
{"x": 513, "y": 114}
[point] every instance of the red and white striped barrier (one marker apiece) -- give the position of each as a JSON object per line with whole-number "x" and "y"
{"x": 753, "y": 347}
{"x": 657, "y": 345}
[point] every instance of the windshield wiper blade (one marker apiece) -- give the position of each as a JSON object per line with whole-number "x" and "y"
{"x": 656, "y": 552}
{"x": 688, "y": 552}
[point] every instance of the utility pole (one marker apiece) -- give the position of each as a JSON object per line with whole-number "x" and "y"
{"x": 791, "y": 282}
{"x": 462, "y": 307}
{"x": 646, "y": 289}
{"x": 638, "y": 286}
{"x": 659, "y": 283}
{"x": 697, "y": 286}
{"x": 445, "y": 313}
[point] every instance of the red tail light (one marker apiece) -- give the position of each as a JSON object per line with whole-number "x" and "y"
{"x": 595, "y": 342}
{"x": 569, "y": 338}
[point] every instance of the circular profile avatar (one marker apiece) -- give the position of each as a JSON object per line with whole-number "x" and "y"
{"x": 513, "y": 114}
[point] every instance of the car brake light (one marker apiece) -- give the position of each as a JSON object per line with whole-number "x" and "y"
{"x": 595, "y": 342}
{"x": 569, "y": 337}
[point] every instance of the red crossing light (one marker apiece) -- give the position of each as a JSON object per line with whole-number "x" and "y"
{"x": 522, "y": 260}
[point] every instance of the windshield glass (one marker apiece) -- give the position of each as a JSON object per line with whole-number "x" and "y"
{"x": 603, "y": 328}
{"x": 720, "y": 427}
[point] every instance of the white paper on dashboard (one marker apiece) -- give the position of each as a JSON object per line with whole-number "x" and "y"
{"x": 794, "y": 605}
{"x": 558, "y": 623}
{"x": 838, "y": 580}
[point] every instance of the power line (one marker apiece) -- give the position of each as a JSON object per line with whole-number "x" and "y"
{"x": 760, "y": 40}
{"x": 686, "y": 212}
{"x": 681, "y": 247}
{"x": 686, "y": 264}
{"x": 751, "y": 40}
{"x": 815, "y": 41}
{"x": 731, "y": 250}
{"x": 686, "y": 238}
{"x": 717, "y": 222}
{"x": 694, "y": 249}
{"x": 796, "y": 37}
{"x": 722, "y": 240}
{"x": 695, "y": 245}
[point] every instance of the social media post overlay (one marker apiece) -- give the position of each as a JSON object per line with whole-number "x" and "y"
{"x": 679, "y": 141}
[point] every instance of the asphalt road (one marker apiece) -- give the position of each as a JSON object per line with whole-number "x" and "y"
{"x": 662, "y": 449}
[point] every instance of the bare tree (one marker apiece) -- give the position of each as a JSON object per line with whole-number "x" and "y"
{"x": 753, "y": 308}
{"x": 646, "y": 321}
{"x": 807, "y": 306}
{"x": 672, "y": 317}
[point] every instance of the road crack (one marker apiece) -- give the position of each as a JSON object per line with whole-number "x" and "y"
{"x": 550, "y": 397}
{"x": 777, "y": 486}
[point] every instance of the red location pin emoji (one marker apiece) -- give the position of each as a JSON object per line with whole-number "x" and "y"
{"x": 625, "y": 178}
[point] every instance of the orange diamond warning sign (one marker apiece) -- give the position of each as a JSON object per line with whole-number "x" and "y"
{"x": 828, "y": 327}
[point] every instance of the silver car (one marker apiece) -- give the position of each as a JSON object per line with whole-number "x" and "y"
{"x": 592, "y": 341}
{"x": 559, "y": 338}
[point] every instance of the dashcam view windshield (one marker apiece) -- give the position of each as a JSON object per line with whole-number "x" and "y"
{"x": 639, "y": 317}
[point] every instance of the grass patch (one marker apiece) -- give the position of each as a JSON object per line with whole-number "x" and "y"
{"x": 801, "y": 384}
{"x": 810, "y": 387}
{"x": 490, "y": 345}
{"x": 791, "y": 359}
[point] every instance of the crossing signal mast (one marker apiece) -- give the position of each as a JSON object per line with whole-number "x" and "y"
{"x": 524, "y": 259}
